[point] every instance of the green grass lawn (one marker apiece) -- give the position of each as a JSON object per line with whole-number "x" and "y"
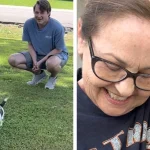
{"x": 36, "y": 118}
{"x": 61, "y": 4}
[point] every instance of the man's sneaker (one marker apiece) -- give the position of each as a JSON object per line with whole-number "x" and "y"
{"x": 51, "y": 83}
{"x": 37, "y": 79}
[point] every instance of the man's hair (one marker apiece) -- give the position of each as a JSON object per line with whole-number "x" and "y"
{"x": 44, "y": 5}
{"x": 98, "y": 13}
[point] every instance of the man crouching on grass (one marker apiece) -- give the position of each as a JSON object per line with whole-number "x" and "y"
{"x": 46, "y": 47}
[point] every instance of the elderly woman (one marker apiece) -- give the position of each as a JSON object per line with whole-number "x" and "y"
{"x": 114, "y": 82}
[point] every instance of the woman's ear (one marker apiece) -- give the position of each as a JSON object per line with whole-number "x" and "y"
{"x": 81, "y": 41}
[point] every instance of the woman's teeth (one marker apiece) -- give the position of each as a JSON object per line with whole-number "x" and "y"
{"x": 113, "y": 96}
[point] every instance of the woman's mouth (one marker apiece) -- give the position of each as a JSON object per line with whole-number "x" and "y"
{"x": 116, "y": 99}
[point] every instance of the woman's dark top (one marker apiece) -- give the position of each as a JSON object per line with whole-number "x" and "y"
{"x": 98, "y": 131}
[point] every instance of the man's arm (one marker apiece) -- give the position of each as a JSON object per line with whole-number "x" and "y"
{"x": 32, "y": 53}
{"x": 26, "y": 37}
{"x": 34, "y": 58}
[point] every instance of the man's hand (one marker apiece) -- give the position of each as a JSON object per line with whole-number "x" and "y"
{"x": 36, "y": 66}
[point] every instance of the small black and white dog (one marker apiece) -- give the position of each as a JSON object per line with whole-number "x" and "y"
{"x": 2, "y": 113}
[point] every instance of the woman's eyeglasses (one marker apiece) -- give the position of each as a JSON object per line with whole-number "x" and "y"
{"x": 112, "y": 72}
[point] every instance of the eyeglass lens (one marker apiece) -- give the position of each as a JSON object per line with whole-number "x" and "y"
{"x": 113, "y": 73}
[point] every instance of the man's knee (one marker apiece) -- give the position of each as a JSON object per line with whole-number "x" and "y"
{"x": 53, "y": 63}
{"x": 16, "y": 59}
{"x": 12, "y": 60}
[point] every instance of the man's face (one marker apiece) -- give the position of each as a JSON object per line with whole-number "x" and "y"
{"x": 128, "y": 40}
{"x": 41, "y": 17}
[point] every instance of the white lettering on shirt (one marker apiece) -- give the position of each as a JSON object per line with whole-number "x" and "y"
{"x": 134, "y": 135}
{"x": 138, "y": 134}
{"x": 115, "y": 141}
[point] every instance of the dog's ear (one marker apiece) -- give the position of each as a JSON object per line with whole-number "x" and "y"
{"x": 3, "y": 102}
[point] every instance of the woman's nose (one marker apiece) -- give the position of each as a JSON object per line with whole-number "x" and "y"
{"x": 125, "y": 87}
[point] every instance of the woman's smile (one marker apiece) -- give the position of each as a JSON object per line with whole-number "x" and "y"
{"x": 115, "y": 99}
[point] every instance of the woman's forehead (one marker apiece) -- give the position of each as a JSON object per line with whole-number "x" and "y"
{"x": 130, "y": 31}
{"x": 128, "y": 23}
{"x": 127, "y": 39}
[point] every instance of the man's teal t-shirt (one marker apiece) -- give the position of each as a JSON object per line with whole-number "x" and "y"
{"x": 46, "y": 39}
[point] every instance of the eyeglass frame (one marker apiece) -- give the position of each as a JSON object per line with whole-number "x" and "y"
{"x": 94, "y": 59}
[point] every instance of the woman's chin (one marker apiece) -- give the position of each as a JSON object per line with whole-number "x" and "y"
{"x": 116, "y": 113}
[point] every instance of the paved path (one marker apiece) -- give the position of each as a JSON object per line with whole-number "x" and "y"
{"x": 19, "y": 14}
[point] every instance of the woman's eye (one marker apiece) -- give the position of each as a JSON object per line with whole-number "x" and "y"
{"x": 112, "y": 67}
